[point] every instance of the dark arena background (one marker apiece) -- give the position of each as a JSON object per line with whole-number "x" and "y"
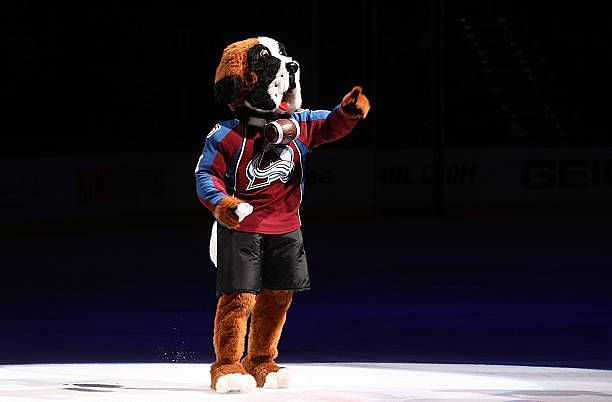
{"x": 466, "y": 221}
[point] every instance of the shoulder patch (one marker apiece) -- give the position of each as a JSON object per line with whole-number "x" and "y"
{"x": 222, "y": 129}
{"x": 216, "y": 128}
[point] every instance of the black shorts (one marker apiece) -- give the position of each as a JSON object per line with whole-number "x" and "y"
{"x": 253, "y": 261}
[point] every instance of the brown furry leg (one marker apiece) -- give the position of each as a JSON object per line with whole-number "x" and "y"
{"x": 233, "y": 311}
{"x": 267, "y": 323}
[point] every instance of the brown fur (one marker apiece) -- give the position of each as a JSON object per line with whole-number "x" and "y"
{"x": 234, "y": 59}
{"x": 225, "y": 212}
{"x": 260, "y": 371}
{"x": 267, "y": 323}
{"x": 362, "y": 103}
{"x": 234, "y": 62}
{"x": 233, "y": 311}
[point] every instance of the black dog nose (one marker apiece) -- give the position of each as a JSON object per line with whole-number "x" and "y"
{"x": 292, "y": 67}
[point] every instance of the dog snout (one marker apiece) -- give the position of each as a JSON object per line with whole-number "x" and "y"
{"x": 292, "y": 67}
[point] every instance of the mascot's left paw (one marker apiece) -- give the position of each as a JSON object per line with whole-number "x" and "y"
{"x": 278, "y": 379}
{"x": 268, "y": 374}
{"x": 225, "y": 212}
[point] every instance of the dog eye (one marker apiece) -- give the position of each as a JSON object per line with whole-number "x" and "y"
{"x": 264, "y": 53}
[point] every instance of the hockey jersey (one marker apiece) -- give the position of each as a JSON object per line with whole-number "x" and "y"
{"x": 237, "y": 160}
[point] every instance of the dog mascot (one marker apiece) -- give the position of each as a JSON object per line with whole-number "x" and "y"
{"x": 253, "y": 166}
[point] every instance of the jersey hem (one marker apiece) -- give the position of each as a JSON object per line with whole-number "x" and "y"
{"x": 269, "y": 232}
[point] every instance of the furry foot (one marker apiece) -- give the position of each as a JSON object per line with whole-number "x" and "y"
{"x": 262, "y": 371}
{"x": 278, "y": 379}
{"x": 242, "y": 383}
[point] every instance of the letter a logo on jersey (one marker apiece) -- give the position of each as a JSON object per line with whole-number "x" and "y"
{"x": 274, "y": 163}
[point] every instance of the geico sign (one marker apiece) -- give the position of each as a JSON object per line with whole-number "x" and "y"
{"x": 541, "y": 174}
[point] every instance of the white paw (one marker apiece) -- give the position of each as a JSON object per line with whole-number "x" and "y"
{"x": 242, "y": 383}
{"x": 278, "y": 379}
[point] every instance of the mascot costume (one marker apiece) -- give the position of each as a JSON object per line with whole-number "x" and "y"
{"x": 251, "y": 177}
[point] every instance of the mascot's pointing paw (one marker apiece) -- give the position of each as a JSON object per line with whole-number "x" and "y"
{"x": 355, "y": 104}
{"x": 250, "y": 176}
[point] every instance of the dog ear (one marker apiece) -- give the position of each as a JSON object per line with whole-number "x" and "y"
{"x": 228, "y": 89}
{"x": 232, "y": 72}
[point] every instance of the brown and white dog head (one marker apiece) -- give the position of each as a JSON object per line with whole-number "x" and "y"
{"x": 257, "y": 73}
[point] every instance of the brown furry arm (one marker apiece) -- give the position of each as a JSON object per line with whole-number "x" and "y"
{"x": 225, "y": 212}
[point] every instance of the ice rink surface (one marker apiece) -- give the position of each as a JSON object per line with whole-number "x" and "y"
{"x": 482, "y": 309}
{"x": 335, "y": 382}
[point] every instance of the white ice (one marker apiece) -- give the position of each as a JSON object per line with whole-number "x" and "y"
{"x": 310, "y": 382}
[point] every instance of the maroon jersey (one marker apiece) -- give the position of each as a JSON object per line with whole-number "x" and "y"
{"x": 237, "y": 160}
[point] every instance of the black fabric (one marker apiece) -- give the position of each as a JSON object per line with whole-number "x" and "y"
{"x": 250, "y": 262}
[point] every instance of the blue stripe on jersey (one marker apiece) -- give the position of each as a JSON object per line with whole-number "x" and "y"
{"x": 310, "y": 115}
{"x": 204, "y": 184}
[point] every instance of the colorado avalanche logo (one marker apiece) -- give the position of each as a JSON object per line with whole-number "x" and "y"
{"x": 274, "y": 163}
